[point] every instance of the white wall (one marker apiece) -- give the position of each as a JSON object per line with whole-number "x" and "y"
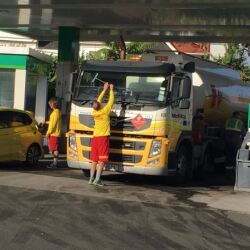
{"x": 41, "y": 99}
{"x": 216, "y": 50}
{"x": 19, "y": 92}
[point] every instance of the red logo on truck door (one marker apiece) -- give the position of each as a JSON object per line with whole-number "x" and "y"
{"x": 138, "y": 121}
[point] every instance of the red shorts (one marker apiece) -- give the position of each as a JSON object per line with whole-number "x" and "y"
{"x": 100, "y": 149}
{"x": 53, "y": 143}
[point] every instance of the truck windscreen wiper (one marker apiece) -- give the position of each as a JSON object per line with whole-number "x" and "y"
{"x": 82, "y": 101}
{"x": 85, "y": 102}
{"x": 124, "y": 102}
{"x": 146, "y": 101}
{"x": 156, "y": 103}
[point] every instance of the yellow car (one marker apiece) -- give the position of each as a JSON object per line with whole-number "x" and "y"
{"x": 20, "y": 139}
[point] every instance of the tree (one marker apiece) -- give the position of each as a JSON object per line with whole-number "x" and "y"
{"x": 116, "y": 51}
{"x": 52, "y": 70}
{"x": 235, "y": 58}
{"x": 52, "y": 77}
{"x": 138, "y": 48}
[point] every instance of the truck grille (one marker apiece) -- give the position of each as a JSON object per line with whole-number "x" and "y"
{"x": 116, "y": 123}
{"x": 133, "y": 145}
{"x": 86, "y": 120}
{"x": 119, "y": 158}
{"x": 125, "y": 158}
{"x": 117, "y": 144}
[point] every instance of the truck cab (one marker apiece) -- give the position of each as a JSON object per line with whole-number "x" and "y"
{"x": 151, "y": 113}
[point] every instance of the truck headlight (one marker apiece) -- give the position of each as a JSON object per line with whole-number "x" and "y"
{"x": 72, "y": 141}
{"x": 154, "y": 162}
{"x": 155, "y": 148}
{"x": 72, "y": 154}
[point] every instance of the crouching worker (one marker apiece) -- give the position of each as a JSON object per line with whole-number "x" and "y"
{"x": 100, "y": 142}
{"x": 54, "y": 131}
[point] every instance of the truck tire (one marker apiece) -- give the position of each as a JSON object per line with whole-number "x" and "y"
{"x": 220, "y": 168}
{"x": 207, "y": 165}
{"x": 182, "y": 166}
{"x": 208, "y": 162}
{"x": 86, "y": 172}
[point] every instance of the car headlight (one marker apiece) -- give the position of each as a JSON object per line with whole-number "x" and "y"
{"x": 72, "y": 141}
{"x": 155, "y": 148}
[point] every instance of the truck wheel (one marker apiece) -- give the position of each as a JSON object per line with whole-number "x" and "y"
{"x": 86, "y": 172}
{"x": 220, "y": 168}
{"x": 32, "y": 156}
{"x": 182, "y": 166}
{"x": 207, "y": 165}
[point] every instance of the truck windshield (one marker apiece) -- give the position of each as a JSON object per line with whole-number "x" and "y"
{"x": 145, "y": 89}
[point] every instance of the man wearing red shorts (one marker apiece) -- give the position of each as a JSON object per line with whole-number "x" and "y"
{"x": 100, "y": 142}
{"x": 54, "y": 131}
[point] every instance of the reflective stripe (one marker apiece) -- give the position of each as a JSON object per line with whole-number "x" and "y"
{"x": 237, "y": 124}
{"x": 233, "y": 129}
{"x": 233, "y": 125}
{"x": 103, "y": 157}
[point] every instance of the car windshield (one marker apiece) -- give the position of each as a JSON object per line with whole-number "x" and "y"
{"x": 145, "y": 89}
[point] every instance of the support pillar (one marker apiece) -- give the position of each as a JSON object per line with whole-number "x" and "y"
{"x": 68, "y": 55}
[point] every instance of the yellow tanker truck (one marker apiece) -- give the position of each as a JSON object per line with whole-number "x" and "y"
{"x": 152, "y": 120}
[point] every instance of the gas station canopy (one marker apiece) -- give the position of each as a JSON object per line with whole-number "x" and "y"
{"x": 140, "y": 20}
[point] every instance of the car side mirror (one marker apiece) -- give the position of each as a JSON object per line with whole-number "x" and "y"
{"x": 185, "y": 88}
{"x": 184, "y": 104}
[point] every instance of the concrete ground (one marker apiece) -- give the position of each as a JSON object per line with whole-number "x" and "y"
{"x": 57, "y": 209}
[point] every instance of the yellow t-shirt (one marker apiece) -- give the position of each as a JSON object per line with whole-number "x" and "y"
{"x": 101, "y": 117}
{"x": 55, "y": 121}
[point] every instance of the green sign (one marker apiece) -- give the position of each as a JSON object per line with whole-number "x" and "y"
{"x": 13, "y": 61}
{"x": 24, "y": 62}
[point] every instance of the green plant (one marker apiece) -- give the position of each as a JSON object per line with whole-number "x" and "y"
{"x": 112, "y": 52}
{"x": 138, "y": 48}
{"x": 235, "y": 58}
{"x": 52, "y": 70}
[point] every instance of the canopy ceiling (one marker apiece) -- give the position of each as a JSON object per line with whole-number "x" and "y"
{"x": 136, "y": 20}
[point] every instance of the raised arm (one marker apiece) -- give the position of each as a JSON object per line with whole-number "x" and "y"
{"x": 109, "y": 104}
{"x": 102, "y": 94}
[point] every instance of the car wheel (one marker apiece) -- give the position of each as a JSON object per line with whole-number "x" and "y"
{"x": 33, "y": 155}
{"x": 86, "y": 172}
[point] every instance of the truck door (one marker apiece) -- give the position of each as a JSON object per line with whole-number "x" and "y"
{"x": 180, "y": 98}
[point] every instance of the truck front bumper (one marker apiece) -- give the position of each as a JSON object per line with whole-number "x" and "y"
{"x": 124, "y": 169}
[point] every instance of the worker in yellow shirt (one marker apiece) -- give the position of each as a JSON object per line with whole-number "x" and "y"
{"x": 100, "y": 142}
{"x": 54, "y": 131}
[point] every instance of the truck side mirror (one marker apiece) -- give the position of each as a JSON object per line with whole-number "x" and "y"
{"x": 189, "y": 67}
{"x": 184, "y": 104}
{"x": 185, "y": 88}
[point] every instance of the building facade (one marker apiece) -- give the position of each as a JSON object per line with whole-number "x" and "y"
{"x": 23, "y": 79}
